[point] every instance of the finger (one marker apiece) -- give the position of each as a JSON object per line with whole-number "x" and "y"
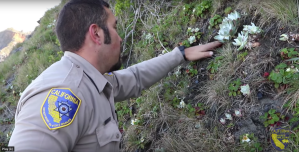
{"x": 210, "y": 46}
{"x": 206, "y": 54}
{"x": 199, "y": 55}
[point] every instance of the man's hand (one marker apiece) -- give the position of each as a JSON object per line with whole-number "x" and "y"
{"x": 201, "y": 51}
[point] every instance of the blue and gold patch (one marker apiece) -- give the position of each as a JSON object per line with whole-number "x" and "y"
{"x": 60, "y": 108}
{"x": 280, "y": 138}
{"x": 109, "y": 74}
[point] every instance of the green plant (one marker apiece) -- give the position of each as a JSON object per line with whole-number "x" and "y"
{"x": 203, "y": 7}
{"x": 283, "y": 75}
{"x": 215, "y": 21}
{"x": 175, "y": 102}
{"x": 215, "y": 64}
{"x": 295, "y": 110}
{"x": 289, "y": 53}
{"x": 228, "y": 10}
{"x": 270, "y": 117}
{"x": 190, "y": 108}
{"x": 123, "y": 110}
{"x": 139, "y": 101}
{"x": 242, "y": 55}
{"x": 186, "y": 43}
{"x": 121, "y": 5}
{"x": 55, "y": 58}
{"x": 193, "y": 72}
{"x": 230, "y": 125}
{"x": 234, "y": 87}
{"x": 253, "y": 145}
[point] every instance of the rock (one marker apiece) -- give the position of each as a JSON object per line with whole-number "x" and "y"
{"x": 246, "y": 127}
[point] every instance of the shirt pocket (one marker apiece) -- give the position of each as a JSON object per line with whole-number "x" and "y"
{"x": 108, "y": 133}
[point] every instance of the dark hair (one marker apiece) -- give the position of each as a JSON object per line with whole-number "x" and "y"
{"x": 74, "y": 20}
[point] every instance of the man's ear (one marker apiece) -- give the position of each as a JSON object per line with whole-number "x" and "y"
{"x": 94, "y": 33}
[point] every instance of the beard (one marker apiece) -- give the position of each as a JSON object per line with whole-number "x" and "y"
{"x": 116, "y": 66}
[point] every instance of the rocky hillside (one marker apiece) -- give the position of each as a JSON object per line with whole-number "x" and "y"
{"x": 8, "y": 39}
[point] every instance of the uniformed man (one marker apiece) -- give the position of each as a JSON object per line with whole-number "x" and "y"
{"x": 70, "y": 106}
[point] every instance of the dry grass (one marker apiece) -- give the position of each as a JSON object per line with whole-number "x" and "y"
{"x": 284, "y": 11}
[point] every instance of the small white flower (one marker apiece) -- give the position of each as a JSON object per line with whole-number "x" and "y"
{"x": 182, "y": 104}
{"x": 11, "y": 87}
{"x": 284, "y": 37}
{"x": 192, "y": 30}
{"x": 196, "y": 30}
{"x": 191, "y": 39}
{"x": 142, "y": 139}
{"x": 184, "y": 8}
{"x": 148, "y": 36}
{"x": 245, "y": 89}
{"x": 20, "y": 93}
{"x": 228, "y": 116}
{"x": 293, "y": 70}
{"x": 245, "y": 138}
{"x": 222, "y": 121}
{"x": 133, "y": 121}
{"x": 193, "y": 10}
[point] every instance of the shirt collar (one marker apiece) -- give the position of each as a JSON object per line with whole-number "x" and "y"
{"x": 88, "y": 68}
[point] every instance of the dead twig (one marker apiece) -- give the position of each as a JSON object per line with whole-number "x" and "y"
{"x": 137, "y": 13}
{"x": 12, "y": 113}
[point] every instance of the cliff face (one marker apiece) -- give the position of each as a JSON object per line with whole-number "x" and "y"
{"x": 8, "y": 35}
{"x": 8, "y": 39}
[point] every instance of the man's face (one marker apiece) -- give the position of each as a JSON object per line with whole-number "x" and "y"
{"x": 112, "y": 51}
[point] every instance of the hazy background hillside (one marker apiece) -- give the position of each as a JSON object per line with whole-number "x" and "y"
{"x": 8, "y": 39}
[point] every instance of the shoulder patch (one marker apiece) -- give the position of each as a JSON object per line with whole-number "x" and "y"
{"x": 109, "y": 74}
{"x": 60, "y": 108}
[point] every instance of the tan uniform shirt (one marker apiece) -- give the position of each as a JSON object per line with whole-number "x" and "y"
{"x": 70, "y": 106}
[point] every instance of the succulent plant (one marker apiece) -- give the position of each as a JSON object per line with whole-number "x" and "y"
{"x": 241, "y": 40}
{"x": 222, "y": 121}
{"x": 252, "y": 29}
{"x": 245, "y": 89}
{"x": 234, "y": 16}
{"x": 238, "y": 113}
{"x": 228, "y": 116}
{"x": 191, "y": 39}
{"x": 228, "y": 27}
{"x": 284, "y": 37}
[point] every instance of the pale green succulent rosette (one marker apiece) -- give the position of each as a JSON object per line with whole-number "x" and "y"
{"x": 228, "y": 27}
{"x": 241, "y": 40}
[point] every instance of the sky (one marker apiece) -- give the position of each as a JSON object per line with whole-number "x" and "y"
{"x": 22, "y": 15}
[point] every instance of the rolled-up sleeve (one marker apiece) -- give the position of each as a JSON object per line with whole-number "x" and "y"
{"x": 130, "y": 82}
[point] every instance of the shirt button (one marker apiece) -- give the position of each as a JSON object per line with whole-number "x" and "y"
{"x": 77, "y": 66}
{"x": 117, "y": 136}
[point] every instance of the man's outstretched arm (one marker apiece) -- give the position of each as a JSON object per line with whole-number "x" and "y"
{"x": 130, "y": 82}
